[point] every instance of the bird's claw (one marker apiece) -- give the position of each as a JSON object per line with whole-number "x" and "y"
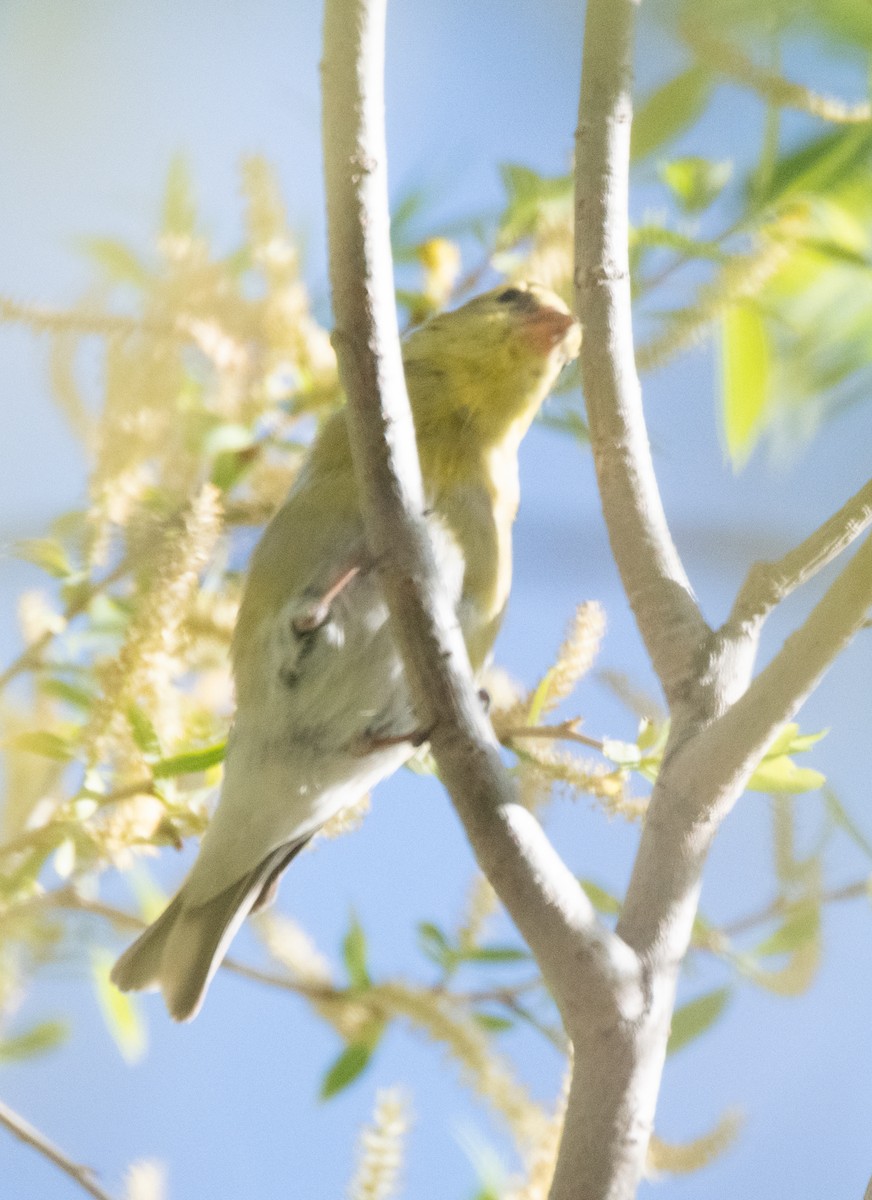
{"x": 317, "y": 613}
{"x": 370, "y": 743}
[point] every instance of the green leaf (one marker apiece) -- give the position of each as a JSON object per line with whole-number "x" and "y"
{"x": 144, "y": 733}
{"x": 821, "y": 165}
{"x": 191, "y": 762}
{"x": 804, "y": 741}
{"x": 46, "y": 553}
{"x": 746, "y": 370}
{"x": 495, "y": 954}
{"x": 179, "y": 218}
{"x": 694, "y": 1018}
{"x": 552, "y": 1033}
{"x": 350, "y": 1064}
{"x": 652, "y": 736}
{"x": 540, "y": 698}
{"x": 695, "y": 182}
{"x": 603, "y": 901}
{"x": 354, "y": 955}
{"x": 840, "y": 816}
{"x": 782, "y": 743}
{"x": 44, "y": 743}
{"x": 670, "y": 110}
{"x": 778, "y": 773}
{"x": 651, "y": 235}
{"x": 799, "y": 927}
{"x": 77, "y": 695}
{"x": 39, "y": 1039}
{"x": 534, "y": 202}
{"x": 783, "y": 775}
{"x": 151, "y": 900}
{"x": 568, "y": 421}
{"x": 435, "y": 945}
{"x": 119, "y": 1010}
{"x": 230, "y": 466}
{"x": 493, "y": 1024}
{"x": 117, "y": 260}
{"x": 623, "y": 754}
{"x": 227, "y": 436}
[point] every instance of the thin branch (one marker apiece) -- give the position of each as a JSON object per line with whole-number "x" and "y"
{"x": 654, "y": 578}
{"x": 31, "y": 657}
{"x": 734, "y": 745}
{"x": 55, "y": 831}
{"x": 88, "y": 324}
{"x": 565, "y": 731}
{"x": 730, "y": 61}
{"x": 578, "y": 955}
{"x": 782, "y": 905}
{"x": 69, "y": 900}
{"x": 768, "y": 583}
{"x": 27, "y": 1133}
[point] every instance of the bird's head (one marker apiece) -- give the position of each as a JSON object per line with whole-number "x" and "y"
{"x": 485, "y": 368}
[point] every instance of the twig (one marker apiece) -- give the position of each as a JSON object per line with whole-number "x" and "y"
{"x": 768, "y": 583}
{"x": 69, "y": 900}
{"x": 774, "y": 88}
{"x": 782, "y": 905}
{"x": 563, "y": 732}
{"x": 31, "y": 656}
{"x": 97, "y": 324}
{"x": 735, "y": 744}
{"x": 27, "y": 1133}
{"x": 55, "y": 830}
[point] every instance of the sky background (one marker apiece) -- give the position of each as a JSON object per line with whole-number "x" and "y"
{"x": 95, "y": 100}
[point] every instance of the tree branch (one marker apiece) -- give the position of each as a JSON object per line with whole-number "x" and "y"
{"x": 27, "y": 1133}
{"x": 768, "y": 583}
{"x": 581, "y": 959}
{"x": 735, "y": 744}
{"x": 782, "y": 905}
{"x": 31, "y": 657}
{"x": 654, "y": 578}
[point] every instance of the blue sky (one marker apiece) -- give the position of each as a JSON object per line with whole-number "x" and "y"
{"x": 95, "y": 99}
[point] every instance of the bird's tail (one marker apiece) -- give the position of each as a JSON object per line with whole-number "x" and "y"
{"x": 181, "y": 951}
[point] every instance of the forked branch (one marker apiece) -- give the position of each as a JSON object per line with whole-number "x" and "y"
{"x": 741, "y": 736}
{"x": 768, "y": 583}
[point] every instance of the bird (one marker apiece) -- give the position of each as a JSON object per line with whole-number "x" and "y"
{"x": 323, "y": 710}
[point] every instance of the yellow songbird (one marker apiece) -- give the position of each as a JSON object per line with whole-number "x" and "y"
{"x": 323, "y": 710}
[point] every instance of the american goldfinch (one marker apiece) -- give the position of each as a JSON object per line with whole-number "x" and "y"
{"x": 323, "y": 711}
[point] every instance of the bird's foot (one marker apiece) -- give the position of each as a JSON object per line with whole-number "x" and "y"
{"x": 316, "y": 614}
{"x": 370, "y": 743}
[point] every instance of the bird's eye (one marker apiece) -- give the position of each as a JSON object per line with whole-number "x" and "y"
{"x": 509, "y": 296}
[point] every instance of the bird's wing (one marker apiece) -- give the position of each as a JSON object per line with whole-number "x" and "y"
{"x": 321, "y": 693}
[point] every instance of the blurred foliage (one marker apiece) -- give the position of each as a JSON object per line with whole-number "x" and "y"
{"x": 194, "y": 382}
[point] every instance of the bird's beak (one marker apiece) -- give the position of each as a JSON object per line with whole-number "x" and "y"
{"x": 548, "y": 327}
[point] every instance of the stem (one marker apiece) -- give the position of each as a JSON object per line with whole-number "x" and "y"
{"x": 27, "y": 1133}
{"x": 31, "y": 657}
{"x": 770, "y": 583}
